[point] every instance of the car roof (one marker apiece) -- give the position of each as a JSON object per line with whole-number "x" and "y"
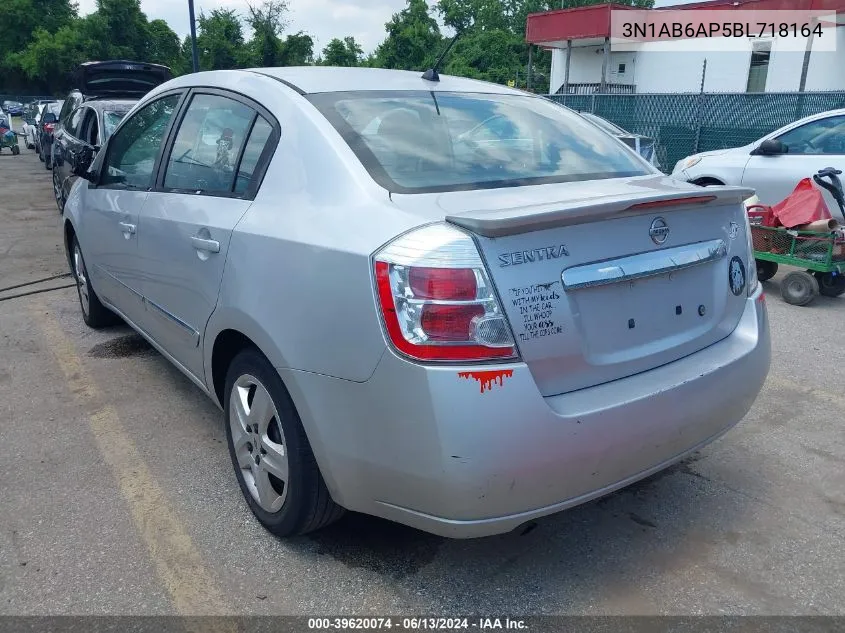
{"x": 317, "y": 79}
{"x": 111, "y": 104}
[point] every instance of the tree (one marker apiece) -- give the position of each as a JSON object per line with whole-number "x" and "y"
{"x": 19, "y": 19}
{"x": 220, "y": 40}
{"x": 19, "y": 22}
{"x": 413, "y": 39}
{"x": 49, "y": 57}
{"x": 268, "y": 22}
{"x": 345, "y": 52}
{"x": 297, "y": 50}
{"x": 481, "y": 14}
{"x": 122, "y": 28}
{"x": 164, "y": 45}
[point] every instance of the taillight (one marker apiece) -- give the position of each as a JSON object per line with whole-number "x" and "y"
{"x": 436, "y": 298}
{"x": 49, "y": 127}
{"x": 753, "y": 279}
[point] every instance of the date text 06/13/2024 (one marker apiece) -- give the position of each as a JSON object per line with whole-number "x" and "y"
{"x": 416, "y": 624}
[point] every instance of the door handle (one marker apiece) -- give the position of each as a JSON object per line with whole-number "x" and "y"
{"x": 127, "y": 228}
{"x": 211, "y": 246}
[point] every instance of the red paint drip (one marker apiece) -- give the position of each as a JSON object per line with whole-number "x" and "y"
{"x": 487, "y": 378}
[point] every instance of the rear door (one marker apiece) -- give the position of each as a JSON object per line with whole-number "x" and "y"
{"x": 605, "y": 279}
{"x": 109, "y": 223}
{"x": 812, "y": 146}
{"x": 207, "y": 183}
{"x": 66, "y": 141}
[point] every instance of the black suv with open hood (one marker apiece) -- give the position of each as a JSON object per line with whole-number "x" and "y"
{"x": 114, "y": 79}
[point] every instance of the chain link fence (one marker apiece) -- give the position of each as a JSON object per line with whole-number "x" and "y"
{"x": 684, "y": 124}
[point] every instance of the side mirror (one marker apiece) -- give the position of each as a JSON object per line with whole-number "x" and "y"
{"x": 771, "y": 147}
{"x": 80, "y": 163}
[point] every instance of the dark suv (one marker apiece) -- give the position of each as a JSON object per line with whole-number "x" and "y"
{"x": 118, "y": 81}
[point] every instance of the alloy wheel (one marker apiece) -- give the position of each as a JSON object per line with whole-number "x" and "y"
{"x": 81, "y": 280}
{"x": 259, "y": 443}
{"x": 57, "y": 192}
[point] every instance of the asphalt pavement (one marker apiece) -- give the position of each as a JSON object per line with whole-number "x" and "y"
{"x": 118, "y": 496}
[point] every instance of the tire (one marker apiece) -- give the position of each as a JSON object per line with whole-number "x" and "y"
{"x": 16, "y": 150}
{"x": 48, "y": 161}
{"x": 300, "y": 502}
{"x": 94, "y": 313}
{"x": 831, "y": 285}
{"x": 766, "y": 269}
{"x": 58, "y": 194}
{"x": 799, "y": 288}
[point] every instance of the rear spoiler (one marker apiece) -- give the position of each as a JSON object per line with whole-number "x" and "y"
{"x": 512, "y": 221}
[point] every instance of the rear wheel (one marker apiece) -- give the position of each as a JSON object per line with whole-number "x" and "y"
{"x": 48, "y": 161}
{"x": 766, "y": 269}
{"x": 16, "y": 150}
{"x": 799, "y": 288}
{"x": 273, "y": 461}
{"x": 57, "y": 191}
{"x": 830, "y": 284}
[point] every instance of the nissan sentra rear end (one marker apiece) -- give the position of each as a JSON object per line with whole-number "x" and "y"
{"x": 567, "y": 322}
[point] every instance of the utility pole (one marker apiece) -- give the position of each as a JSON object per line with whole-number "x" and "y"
{"x": 194, "y": 54}
{"x": 604, "y": 64}
{"x": 530, "y": 66}
{"x": 805, "y": 67}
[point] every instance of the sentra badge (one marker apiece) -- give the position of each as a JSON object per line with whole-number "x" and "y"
{"x": 534, "y": 255}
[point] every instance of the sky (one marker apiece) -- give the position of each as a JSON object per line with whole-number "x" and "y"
{"x": 322, "y": 19}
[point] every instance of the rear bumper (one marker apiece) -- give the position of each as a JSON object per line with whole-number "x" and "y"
{"x": 424, "y": 446}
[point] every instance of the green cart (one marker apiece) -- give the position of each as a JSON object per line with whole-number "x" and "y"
{"x": 820, "y": 256}
{"x": 8, "y": 138}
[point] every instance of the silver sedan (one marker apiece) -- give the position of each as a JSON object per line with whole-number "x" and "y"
{"x": 459, "y": 332}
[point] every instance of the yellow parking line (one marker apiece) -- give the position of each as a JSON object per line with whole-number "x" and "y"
{"x": 176, "y": 560}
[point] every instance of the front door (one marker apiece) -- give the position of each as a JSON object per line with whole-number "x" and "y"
{"x": 110, "y": 221}
{"x": 186, "y": 226}
{"x": 811, "y": 147}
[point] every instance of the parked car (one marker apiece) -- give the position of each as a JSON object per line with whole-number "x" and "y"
{"x": 460, "y": 341}
{"x": 87, "y": 128}
{"x": 114, "y": 80}
{"x": 30, "y": 122}
{"x": 46, "y": 127}
{"x": 774, "y": 164}
{"x": 13, "y": 108}
{"x": 645, "y": 146}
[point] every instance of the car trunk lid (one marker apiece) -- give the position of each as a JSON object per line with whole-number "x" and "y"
{"x": 605, "y": 279}
{"x": 120, "y": 78}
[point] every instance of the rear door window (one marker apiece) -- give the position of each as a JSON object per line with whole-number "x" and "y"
{"x": 208, "y": 145}
{"x": 73, "y": 126}
{"x": 258, "y": 138}
{"x": 69, "y": 105}
{"x": 89, "y": 131}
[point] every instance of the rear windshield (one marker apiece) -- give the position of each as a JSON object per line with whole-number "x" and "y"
{"x": 417, "y": 142}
